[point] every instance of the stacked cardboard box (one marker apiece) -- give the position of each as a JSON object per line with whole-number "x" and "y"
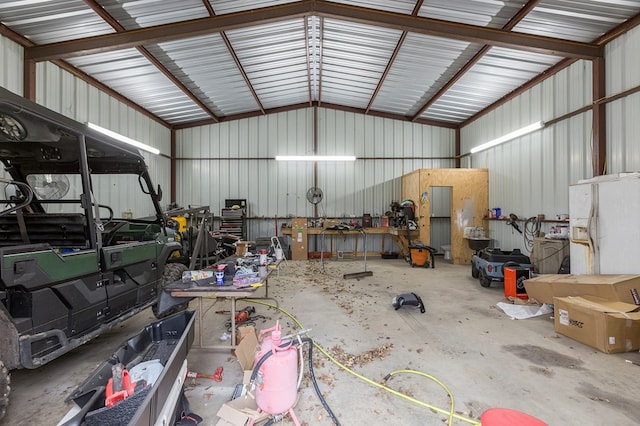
{"x": 601, "y": 311}
{"x": 603, "y": 324}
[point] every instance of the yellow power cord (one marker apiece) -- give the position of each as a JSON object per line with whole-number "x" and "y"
{"x": 451, "y": 413}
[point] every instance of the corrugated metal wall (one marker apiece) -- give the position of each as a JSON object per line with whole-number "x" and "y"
{"x": 623, "y": 125}
{"x": 12, "y": 55}
{"x": 236, "y": 160}
{"x": 531, "y": 175}
{"x": 68, "y": 95}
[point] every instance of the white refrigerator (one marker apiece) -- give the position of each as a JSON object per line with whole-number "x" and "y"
{"x": 604, "y": 225}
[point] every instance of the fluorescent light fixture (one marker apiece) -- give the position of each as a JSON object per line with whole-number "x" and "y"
{"x": 315, "y": 158}
{"x": 124, "y": 139}
{"x": 509, "y": 136}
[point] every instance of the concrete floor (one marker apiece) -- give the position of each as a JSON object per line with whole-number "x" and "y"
{"x": 485, "y": 358}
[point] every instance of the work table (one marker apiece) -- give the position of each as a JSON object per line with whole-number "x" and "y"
{"x": 399, "y": 236}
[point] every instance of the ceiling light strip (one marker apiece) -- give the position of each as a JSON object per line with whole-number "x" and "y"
{"x": 124, "y": 139}
{"x": 509, "y": 136}
{"x": 315, "y": 158}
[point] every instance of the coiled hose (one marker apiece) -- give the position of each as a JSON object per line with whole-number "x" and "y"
{"x": 451, "y": 413}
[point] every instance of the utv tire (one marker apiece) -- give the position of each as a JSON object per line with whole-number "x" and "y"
{"x": 474, "y": 271}
{"x": 5, "y": 380}
{"x": 172, "y": 272}
{"x": 484, "y": 280}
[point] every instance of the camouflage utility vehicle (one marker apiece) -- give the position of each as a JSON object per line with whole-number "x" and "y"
{"x": 70, "y": 268}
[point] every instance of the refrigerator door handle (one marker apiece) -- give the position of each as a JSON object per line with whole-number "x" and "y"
{"x": 593, "y": 260}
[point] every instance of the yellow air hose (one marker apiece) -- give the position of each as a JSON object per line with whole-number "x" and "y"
{"x": 450, "y": 412}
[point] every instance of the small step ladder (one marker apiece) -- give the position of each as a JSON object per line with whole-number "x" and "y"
{"x": 275, "y": 243}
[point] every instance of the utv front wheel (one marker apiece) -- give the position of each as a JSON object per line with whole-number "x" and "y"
{"x": 5, "y": 380}
{"x": 172, "y": 273}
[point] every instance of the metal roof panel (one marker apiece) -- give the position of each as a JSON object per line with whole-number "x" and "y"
{"x": 277, "y": 64}
{"x": 495, "y": 75}
{"x": 45, "y": 21}
{"x": 354, "y": 56}
{"x": 206, "y": 67}
{"x": 297, "y": 60}
{"x": 484, "y": 13}
{"x": 577, "y": 20}
{"x": 147, "y": 13}
{"x": 423, "y": 65}
{"x": 128, "y": 72}
{"x": 229, "y": 6}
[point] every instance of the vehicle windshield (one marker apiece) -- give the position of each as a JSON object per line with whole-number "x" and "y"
{"x": 60, "y": 193}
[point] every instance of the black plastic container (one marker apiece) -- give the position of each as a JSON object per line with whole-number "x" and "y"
{"x": 167, "y": 341}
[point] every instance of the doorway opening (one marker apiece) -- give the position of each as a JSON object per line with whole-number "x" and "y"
{"x": 440, "y": 220}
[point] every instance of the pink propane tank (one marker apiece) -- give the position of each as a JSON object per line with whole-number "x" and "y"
{"x": 276, "y": 385}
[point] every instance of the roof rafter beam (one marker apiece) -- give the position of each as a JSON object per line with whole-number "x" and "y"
{"x": 616, "y": 32}
{"x": 323, "y": 8}
{"x": 459, "y": 31}
{"x": 302, "y": 105}
{"x": 168, "y": 32}
{"x": 394, "y": 55}
{"x": 522, "y": 13}
{"x": 102, "y": 13}
{"x": 235, "y": 58}
{"x": 24, "y": 42}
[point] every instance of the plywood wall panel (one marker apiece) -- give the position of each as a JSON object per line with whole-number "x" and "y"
{"x": 469, "y": 202}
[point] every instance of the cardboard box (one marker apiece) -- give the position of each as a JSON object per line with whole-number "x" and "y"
{"x": 246, "y": 350}
{"x": 609, "y": 326}
{"x": 299, "y": 239}
{"x": 242, "y": 247}
{"x": 611, "y": 287}
{"x": 241, "y": 411}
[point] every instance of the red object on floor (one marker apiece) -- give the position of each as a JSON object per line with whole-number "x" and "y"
{"x": 507, "y": 417}
{"x": 217, "y": 375}
{"x": 514, "y": 278}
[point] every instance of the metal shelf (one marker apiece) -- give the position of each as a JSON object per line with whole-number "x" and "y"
{"x": 524, "y": 220}
{"x": 233, "y": 221}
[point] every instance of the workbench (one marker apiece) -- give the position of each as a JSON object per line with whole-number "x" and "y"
{"x": 399, "y": 236}
{"x": 206, "y": 289}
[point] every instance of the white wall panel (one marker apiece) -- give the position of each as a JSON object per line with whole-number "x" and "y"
{"x": 62, "y": 92}
{"x": 623, "y": 62}
{"x": 531, "y": 175}
{"x": 11, "y": 65}
{"x": 236, "y": 160}
{"x": 623, "y": 127}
